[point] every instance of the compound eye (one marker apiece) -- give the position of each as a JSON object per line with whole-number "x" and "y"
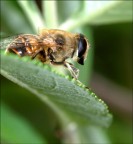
{"x": 82, "y": 47}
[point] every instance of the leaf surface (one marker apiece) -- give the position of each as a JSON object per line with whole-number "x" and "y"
{"x": 62, "y": 94}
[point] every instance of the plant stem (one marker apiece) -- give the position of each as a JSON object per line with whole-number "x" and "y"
{"x": 50, "y": 13}
{"x": 33, "y": 14}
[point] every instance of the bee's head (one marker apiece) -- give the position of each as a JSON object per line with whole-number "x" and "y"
{"x": 82, "y": 49}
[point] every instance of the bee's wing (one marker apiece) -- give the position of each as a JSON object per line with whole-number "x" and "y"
{"x": 4, "y": 42}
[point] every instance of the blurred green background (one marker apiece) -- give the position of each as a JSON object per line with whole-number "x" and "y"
{"x": 108, "y": 70}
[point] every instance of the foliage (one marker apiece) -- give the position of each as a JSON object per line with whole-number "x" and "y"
{"x": 78, "y": 112}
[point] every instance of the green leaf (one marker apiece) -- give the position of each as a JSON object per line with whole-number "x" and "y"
{"x": 70, "y": 100}
{"x": 100, "y": 12}
{"x": 15, "y": 129}
{"x": 121, "y": 11}
{"x": 54, "y": 89}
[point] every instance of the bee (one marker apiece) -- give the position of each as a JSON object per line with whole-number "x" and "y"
{"x": 52, "y": 46}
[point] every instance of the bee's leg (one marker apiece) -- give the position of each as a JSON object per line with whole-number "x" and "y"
{"x": 74, "y": 71}
{"x": 36, "y": 53}
{"x": 7, "y": 50}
